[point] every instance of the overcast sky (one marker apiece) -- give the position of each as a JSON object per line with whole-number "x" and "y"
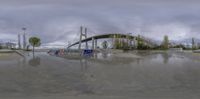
{"x": 58, "y": 21}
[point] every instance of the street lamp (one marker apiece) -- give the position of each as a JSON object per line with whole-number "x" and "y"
{"x": 24, "y": 37}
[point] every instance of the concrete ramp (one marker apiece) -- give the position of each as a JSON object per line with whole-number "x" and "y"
{"x": 21, "y": 53}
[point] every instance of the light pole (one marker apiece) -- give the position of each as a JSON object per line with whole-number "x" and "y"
{"x": 24, "y": 38}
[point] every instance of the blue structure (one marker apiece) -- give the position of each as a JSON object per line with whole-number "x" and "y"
{"x": 87, "y": 52}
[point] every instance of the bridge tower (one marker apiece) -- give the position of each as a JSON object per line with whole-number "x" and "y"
{"x": 82, "y": 34}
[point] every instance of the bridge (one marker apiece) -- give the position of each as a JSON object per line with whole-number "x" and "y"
{"x": 115, "y": 36}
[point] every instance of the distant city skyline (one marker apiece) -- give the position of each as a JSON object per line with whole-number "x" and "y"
{"x": 58, "y": 21}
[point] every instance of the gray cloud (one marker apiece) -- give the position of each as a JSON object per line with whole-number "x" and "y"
{"x": 59, "y": 20}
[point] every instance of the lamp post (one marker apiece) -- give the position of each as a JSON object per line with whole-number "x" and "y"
{"x": 24, "y": 38}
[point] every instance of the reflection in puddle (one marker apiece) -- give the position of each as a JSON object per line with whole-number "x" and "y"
{"x": 35, "y": 61}
{"x": 103, "y": 74}
{"x": 165, "y": 57}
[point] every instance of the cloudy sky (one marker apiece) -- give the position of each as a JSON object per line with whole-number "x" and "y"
{"x": 58, "y": 21}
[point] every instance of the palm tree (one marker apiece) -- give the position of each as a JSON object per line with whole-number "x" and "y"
{"x": 35, "y": 42}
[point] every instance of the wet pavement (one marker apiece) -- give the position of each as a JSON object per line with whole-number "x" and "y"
{"x": 152, "y": 75}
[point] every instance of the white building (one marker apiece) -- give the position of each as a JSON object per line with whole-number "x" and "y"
{"x": 7, "y": 45}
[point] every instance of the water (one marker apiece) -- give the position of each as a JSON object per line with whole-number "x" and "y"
{"x": 152, "y": 75}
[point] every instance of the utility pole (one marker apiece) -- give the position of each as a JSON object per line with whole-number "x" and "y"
{"x": 24, "y": 38}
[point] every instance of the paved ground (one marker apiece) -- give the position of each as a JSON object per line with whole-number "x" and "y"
{"x": 153, "y": 75}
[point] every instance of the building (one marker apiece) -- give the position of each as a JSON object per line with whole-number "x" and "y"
{"x": 7, "y": 45}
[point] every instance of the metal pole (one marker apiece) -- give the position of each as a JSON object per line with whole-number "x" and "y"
{"x": 19, "y": 41}
{"x": 24, "y": 38}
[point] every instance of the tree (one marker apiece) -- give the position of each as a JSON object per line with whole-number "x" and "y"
{"x": 117, "y": 42}
{"x": 105, "y": 44}
{"x": 140, "y": 43}
{"x": 35, "y": 42}
{"x": 165, "y": 42}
